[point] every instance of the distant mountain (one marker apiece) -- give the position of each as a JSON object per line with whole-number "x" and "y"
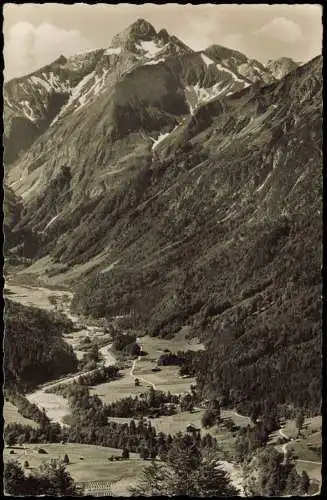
{"x": 34, "y": 102}
{"x": 281, "y": 67}
{"x": 187, "y": 186}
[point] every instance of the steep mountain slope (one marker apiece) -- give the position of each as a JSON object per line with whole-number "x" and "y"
{"x": 281, "y": 67}
{"x": 106, "y": 133}
{"x": 31, "y": 102}
{"x": 17, "y": 243}
{"x": 208, "y": 215}
{"x": 55, "y": 91}
{"x": 226, "y": 236}
{"x": 34, "y": 349}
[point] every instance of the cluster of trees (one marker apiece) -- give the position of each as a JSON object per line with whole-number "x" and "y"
{"x": 51, "y": 479}
{"x": 269, "y": 474}
{"x": 211, "y": 416}
{"x": 184, "y": 359}
{"x": 34, "y": 349}
{"x": 126, "y": 342}
{"x": 249, "y": 439}
{"x": 152, "y": 402}
{"x": 95, "y": 377}
{"x": 185, "y": 470}
{"x": 91, "y": 357}
{"x": 47, "y": 432}
{"x": 25, "y": 408}
{"x": 89, "y": 424}
{"x": 99, "y": 376}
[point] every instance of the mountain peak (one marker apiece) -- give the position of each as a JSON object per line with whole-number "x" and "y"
{"x": 137, "y": 31}
{"x": 280, "y": 67}
{"x": 142, "y": 27}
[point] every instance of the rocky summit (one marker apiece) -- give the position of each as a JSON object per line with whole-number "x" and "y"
{"x": 185, "y": 185}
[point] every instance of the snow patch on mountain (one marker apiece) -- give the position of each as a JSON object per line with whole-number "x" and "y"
{"x": 76, "y": 95}
{"x": 28, "y": 111}
{"x": 264, "y": 182}
{"x": 112, "y": 51}
{"x": 100, "y": 82}
{"x": 151, "y": 48}
{"x": 196, "y": 95}
{"x": 224, "y": 69}
{"x": 154, "y": 61}
{"x": 207, "y": 60}
{"x": 51, "y": 221}
{"x": 41, "y": 82}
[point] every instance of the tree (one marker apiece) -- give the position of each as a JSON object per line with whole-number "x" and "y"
{"x": 93, "y": 354}
{"x": 137, "y": 382}
{"x": 55, "y": 480}
{"x": 304, "y": 483}
{"x": 10, "y": 438}
{"x": 185, "y": 471}
{"x": 299, "y": 422}
{"x": 14, "y": 478}
{"x": 153, "y": 483}
{"x": 125, "y": 454}
{"x": 209, "y": 418}
{"x": 26, "y": 464}
{"x": 66, "y": 459}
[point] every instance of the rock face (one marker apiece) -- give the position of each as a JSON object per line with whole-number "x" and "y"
{"x": 188, "y": 186}
{"x": 281, "y": 67}
{"x": 34, "y": 102}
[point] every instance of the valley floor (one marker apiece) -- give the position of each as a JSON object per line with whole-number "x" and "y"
{"x": 95, "y": 471}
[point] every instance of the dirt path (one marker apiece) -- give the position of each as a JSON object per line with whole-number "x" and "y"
{"x": 140, "y": 378}
{"x": 285, "y": 446}
{"x": 242, "y": 416}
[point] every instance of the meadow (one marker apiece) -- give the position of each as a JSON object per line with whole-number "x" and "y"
{"x": 95, "y": 471}
{"x": 11, "y": 416}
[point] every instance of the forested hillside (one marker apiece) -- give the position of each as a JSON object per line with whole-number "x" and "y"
{"x": 185, "y": 188}
{"x": 34, "y": 349}
{"x": 234, "y": 249}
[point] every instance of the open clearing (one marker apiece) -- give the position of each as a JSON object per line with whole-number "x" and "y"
{"x": 167, "y": 379}
{"x": 95, "y": 468}
{"x": 12, "y": 416}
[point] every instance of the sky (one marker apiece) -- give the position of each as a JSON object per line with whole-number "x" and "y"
{"x": 36, "y": 34}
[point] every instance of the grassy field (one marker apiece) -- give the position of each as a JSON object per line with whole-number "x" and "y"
{"x": 306, "y": 447}
{"x": 166, "y": 380}
{"x": 11, "y": 416}
{"x": 95, "y": 468}
{"x": 311, "y": 425}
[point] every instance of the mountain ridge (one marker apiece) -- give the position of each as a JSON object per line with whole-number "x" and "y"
{"x": 39, "y": 99}
{"x": 190, "y": 207}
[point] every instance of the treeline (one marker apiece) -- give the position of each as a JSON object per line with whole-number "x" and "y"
{"x": 88, "y": 424}
{"x": 34, "y": 350}
{"x": 268, "y": 474}
{"x": 97, "y": 376}
{"x": 25, "y": 408}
